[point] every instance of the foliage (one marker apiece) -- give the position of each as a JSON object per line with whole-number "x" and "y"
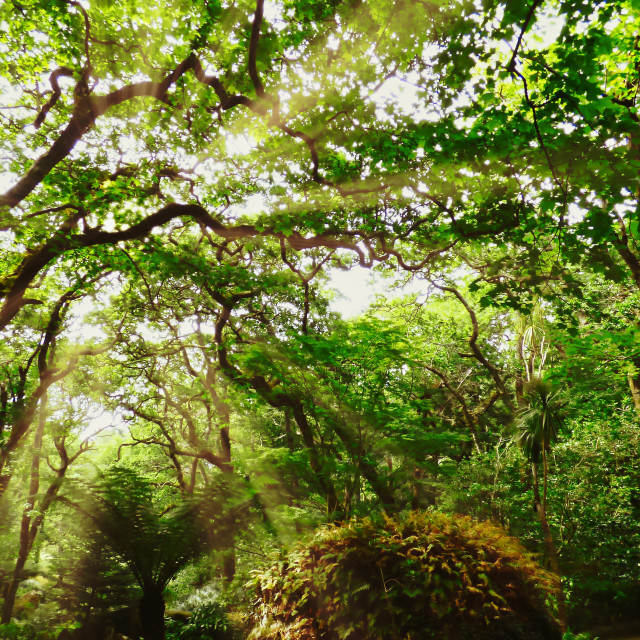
{"x": 538, "y": 423}
{"x": 593, "y": 512}
{"x": 25, "y": 630}
{"x": 156, "y": 543}
{"x": 207, "y": 622}
{"x": 183, "y": 185}
{"x": 577, "y": 636}
{"x": 424, "y": 576}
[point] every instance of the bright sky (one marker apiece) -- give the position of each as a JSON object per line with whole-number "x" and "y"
{"x": 355, "y": 290}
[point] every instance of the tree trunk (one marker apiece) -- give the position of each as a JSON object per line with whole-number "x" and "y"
{"x": 27, "y": 535}
{"x": 549, "y": 544}
{"x": 12, "y": 588}
{"x": 419, "y": 497}
{"x": 334, "y": 509}
{"x": 368, "y": 469}
{"x": 229, "y": 564}
{"x": 152, "y": 614}
{"x": 634, "y": 385}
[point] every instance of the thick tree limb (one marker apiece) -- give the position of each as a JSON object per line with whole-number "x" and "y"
{"x": 253, "y": 49}
{"x": 64, "y": 240}
{"x": 277, "y": 399}
{"x": 86, "y": 111}
{"x": 55, "y": 95}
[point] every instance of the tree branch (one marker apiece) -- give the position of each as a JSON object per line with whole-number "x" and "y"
{"x": 511, "y": 66}
{"x": 55, "y": 96}
{"x": 64, "y": 240}
{"x": 473, "y": 343}
{"x": 253, "y": 49}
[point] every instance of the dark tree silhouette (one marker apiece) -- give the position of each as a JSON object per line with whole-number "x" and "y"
{"x": 155, "y": 543}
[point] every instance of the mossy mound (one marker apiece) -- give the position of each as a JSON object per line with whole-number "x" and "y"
{"x": 424, "y": 576}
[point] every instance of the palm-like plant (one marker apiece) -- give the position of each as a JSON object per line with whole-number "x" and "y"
{"x": 537, "y": 426}
{"x": 540, "y": 420}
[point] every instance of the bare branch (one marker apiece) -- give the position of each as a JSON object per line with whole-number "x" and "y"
{"x": 55, "y": 95}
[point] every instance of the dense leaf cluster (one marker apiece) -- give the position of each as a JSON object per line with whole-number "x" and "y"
{"x": 424, "y": 576}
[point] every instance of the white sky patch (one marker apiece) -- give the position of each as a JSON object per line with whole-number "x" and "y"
{"x": 625, "y": 208}
{"x": 239, "y": 144}
{"x": 79, "y": 327}
{"x": 576, "y": 213}
{"x": 357, "y": 288}
{"x": 355, "y": 291}
{"x": 546, "y": 30}
{"x": 7, "y": 180}
{"x": 99, "y": 421}
{"x": 254, "y": 204}
{"x": 405, "y": 98}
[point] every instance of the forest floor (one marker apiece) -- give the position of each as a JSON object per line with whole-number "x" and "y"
{"x": 630, "y": 631}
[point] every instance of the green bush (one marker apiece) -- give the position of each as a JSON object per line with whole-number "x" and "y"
{"x": 207, "y": 622}
{"x": 23, "y": 630}
{"x": 424, "y": 576}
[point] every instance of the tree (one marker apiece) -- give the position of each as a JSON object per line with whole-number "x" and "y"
{"x": 23, "y": 393}
{"x": 537, "y": 427}
{"x": 36, "y": 506}
{"x": 156, "y": 544}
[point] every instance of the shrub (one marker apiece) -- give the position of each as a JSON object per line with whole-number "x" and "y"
{"x": 23, "y": 630}
{"x": 207, "y": 622}
{"x": 424, "y": 576}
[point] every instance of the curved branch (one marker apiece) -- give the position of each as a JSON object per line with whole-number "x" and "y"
{"x": 469, "y": 417}
{"x": 473, "y": 344}
{"x": 87, "y": 31}
{"x": 226, "y": 101}
{"x": 86, "y": 111}
{"x": 55, "y": 96}
{"x": 512, "y": 63}
{"x": 64, "y": 240}
{"x": 48, "y": 374}
{"x": 253, "y": 49}
{"x": 621, "y": 242}
{"x": 536, "y": 125}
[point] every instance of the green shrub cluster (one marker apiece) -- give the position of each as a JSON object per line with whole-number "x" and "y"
{"x": 207, "y": 622}
{"x": 424, "y": 576}
{"x": 24, "y": 630}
